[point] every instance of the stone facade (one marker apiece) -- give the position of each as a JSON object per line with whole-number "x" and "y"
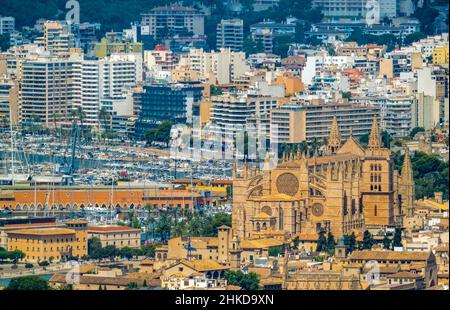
{"x": 347, "y": 189}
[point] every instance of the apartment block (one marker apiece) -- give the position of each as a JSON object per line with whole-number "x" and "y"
{"x": 49, "y": 89}
{"x": 294, "y": 123}
{"x": 231, "y": 112}
{"x": 161, "y": 102}
{"x": 7, "y": 24}
{"x": 230, "y": 34}
{"x": 162, "y": 21}
{"x": 222, "y": 67}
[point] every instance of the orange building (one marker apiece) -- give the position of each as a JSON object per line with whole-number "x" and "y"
{"x": 76, "y": 198}
{"x": 292, "y": 85}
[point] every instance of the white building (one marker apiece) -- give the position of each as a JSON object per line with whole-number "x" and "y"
{"x": 222, "y": 67}
{"x": 230, "y": 34}
{"x": 51, "y": 87}
{"x": 7, "y": 24}
{"x": 177, "y": 20}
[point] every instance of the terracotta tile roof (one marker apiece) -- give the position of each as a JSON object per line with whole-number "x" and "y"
{"x": 204, "y": 265}
{"x": 308, "y": 237}
{"x": 147, "y": 262}
{"x": 75, "y": 222}
{"x": 442, "y": 248}
{"x": 32, "y": 225}
{"x": 110, "y": 229}
{"x": 43, "y": 231}
{"x": 389, "y": 255}
{"x": 225, "y": 182}
{"x": 260, "y": 243}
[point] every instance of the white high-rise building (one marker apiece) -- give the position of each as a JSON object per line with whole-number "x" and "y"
{"x": 230, "y": 34}
{"x": 357, "y": 9}
{"x": 51, "y": 87}
{"x": 222, "y": 67}
{"x": 7, "y": 24}
{"x": 175, "y": 20}
{"x": 57, "y": 37}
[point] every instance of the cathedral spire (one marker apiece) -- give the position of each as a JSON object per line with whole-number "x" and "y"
{"x": 406, "y": 168}
{"x": 334, "y": 141}
{"x": 299, "y": 155}
{"x": 407, "y": 188}
{"x": 374, "y": 137}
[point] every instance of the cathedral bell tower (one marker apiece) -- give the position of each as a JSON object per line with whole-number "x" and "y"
{"x": 374, "y": 137}
{"x": 235, "y": 254}
{"x": 406, "y": 186}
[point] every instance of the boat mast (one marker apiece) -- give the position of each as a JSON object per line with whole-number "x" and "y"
{"x": 12, "y": 146}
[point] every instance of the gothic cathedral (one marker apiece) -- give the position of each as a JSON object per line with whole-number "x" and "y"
{"x": 347, "y": 189}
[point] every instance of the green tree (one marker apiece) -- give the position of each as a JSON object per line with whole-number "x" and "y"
{"x": 4, "y": 42}
{"x": 148, "y": 250}
{"x": 43, "y": 263}
{"x": 415, "y": 130}
{"x": 350, "y": 243}
{"x": 132, "y": 286}
{"x": 414, "y": 37}
{"x": 397, "y": 241}
{"x": 110, "y": 251}
{"x": 163, "y": 227}
{"x": 105, "y": 118}
{"x": 426, "y": 16}
{"x": 322, "y": 244}
{"x": 28, "y": 283}
{"x": 386, "y": 243}
{"x": 330, "y": 243}
{"x": 251, "y": 47}
{"x": 95, "y": 248}
{"x": 368, "y": 241}
{"x": 275, "y": 251}
{"x": 215, "y": 90}
{"x": 126, "y": 252}
{"x": 248, "y": 281}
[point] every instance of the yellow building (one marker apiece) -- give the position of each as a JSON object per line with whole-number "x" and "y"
{"x": 205, "y": 112}
{"x": 48, "y": 243}
{"x": 118, "y": 236}
{"x": 220, "y": 248}
{"x": 440, "y": 55}
{"x": 105, "y": 48}
{"x": 386, "y": 68}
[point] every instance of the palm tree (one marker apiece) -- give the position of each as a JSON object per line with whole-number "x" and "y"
{"x": 105, "y": 118}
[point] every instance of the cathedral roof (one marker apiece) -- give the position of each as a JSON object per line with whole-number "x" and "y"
{"x": 351, "y": 146}
{"x": 389, "y": 255}
{"x": 332, "y": 158}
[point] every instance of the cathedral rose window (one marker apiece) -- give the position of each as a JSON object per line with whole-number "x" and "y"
{"x": 287, "y": 183}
